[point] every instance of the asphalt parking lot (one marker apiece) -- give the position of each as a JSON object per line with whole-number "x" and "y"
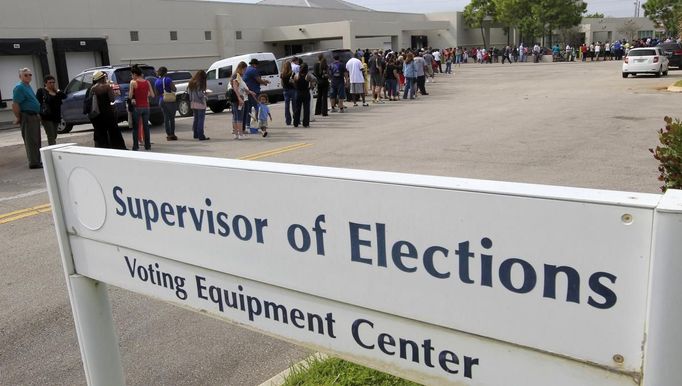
{"x": 570, "y": 124}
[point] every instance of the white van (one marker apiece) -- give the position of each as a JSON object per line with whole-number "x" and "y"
{"x": 220, "y": 73}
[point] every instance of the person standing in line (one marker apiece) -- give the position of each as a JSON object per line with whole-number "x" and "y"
{"x": 242, "y": 93}
{"x": 287, "y": 75}
{"x": 391, "y": 76}
{"x": 420, "y": 74}
{"x": 376, "y": 70}
{"x": 357, "y": 80}
{"x": 142, "y": 92}
{"x": 51, "y": 97}
{"x": 337, "y": 93}
{"x": 197, "y": 99}
{"x": 583, "y": 52}
{"x": 303, "y": 81}
{"x": 164, "y": 85}
{"x": 253, "y": 81}
{"x": 428, "y": 61}
{"x": 436, "y": 58}
{"x": 597, "y": 50}
{"x": 321, "y": 72}
{"x": 106, "y": 133}
{"x": 26, "y": 107}
{"x": 410, "y": 74}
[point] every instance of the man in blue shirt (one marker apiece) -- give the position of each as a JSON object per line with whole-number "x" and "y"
{"x": 253, "y": 82}
{"x": 26, "y": 107}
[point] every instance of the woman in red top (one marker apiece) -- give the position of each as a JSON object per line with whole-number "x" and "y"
{"x": 140, "y": 92}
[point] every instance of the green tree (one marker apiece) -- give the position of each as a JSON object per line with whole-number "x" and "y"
{"x": 556, "y": 14}
{"x": 518, "y": 14}
{"x": 595, "y": 15}
{"x": 665, "y": 13}
{"x": 477, "y": 13}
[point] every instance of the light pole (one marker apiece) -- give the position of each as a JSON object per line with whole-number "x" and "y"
{"x": 638, "y": 7}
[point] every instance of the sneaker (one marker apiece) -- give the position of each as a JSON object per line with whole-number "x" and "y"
{"x": 365, "y": 104}
{"x": 355, "y": 105}
{"x": 265, "y": 134}
{"x": 343, "y": 109}
{"x": 235, "y": 136}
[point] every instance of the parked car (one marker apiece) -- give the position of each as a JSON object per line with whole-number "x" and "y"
{"x": 218, "y": 78}
{"x": 673, "y": 51}
{"x": 72, "y": 107}
{"x": 642, "y": 60}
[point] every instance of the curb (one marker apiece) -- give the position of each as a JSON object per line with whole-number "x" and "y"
{"x": 278, "y": 380}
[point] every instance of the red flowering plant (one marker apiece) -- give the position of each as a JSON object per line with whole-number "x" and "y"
{"x": 669, "y": 154}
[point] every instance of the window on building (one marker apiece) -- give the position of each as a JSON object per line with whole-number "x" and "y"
{"x": 134, "y": 36}
{"x": 645, "y": 34}
{"x": 207, "y": 35}
{"x": 238, "y": 35}
{"x": 174, "y": 35}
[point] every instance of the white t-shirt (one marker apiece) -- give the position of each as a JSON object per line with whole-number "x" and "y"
{"x": 295, "y": 68}
{"x": 436, "y": 56}
{"x": 354, "y": 67}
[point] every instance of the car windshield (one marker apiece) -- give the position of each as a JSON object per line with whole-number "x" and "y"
{"x": 123, "y": 75}
{"x": 267, "y": 67}
{"x": 642, "y": 53}
{"x": 185, "y": 75}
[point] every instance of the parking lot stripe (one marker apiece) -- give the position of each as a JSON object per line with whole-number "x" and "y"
{"x": 44, "y": 208}
{"x": 272, "y": 152}
{"x": 23, "y": 213}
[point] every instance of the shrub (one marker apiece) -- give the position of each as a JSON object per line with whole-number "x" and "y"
{"x": 669, "y": 154}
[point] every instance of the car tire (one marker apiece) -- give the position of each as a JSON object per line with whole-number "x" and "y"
{"x": 156, "y": 119}
{"x": 625, "y": 75}
{"x": 665, "y": 73}
{"x": 184, "y": 107}
{"x": 63, "y": 127}
{"x": 218, "y": 107}
{"x": 660, "y": 71}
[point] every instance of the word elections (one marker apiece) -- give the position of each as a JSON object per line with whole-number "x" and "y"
{"x": 372, "y": 248}
{"x": 181, "y": 216}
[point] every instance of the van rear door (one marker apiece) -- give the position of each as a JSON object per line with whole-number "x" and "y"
{"x": 268, "y": 70}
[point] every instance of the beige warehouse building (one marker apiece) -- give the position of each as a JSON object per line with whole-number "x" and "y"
{"x": 64, "y": 37}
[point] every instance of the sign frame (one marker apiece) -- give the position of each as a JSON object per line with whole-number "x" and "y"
{"x": 95, "y": 327}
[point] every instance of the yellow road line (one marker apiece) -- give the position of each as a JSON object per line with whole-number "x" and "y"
{"x": 26, "y": 210}
{"x": 272, "y": 152}
{"x": 24, "y": 213}
{"x": 44, "y": 208}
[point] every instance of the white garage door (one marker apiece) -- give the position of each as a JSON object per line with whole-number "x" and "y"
{"x": 9, "y": 72}
{"x": 79, "y": 61}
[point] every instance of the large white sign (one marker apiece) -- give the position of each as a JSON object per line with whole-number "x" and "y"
{"x": 449, "y": 280}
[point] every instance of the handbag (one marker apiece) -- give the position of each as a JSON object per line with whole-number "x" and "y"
{"x": 45, "y": 109}
{"x": 168, "y": 96}
{"x": 94, "y": 111}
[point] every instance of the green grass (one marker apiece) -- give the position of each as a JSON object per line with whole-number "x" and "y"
{"x": 334, "y": 371}
{"x": 678, "y": 83}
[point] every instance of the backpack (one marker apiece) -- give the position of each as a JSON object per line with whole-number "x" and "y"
{"x": 336, "y": 70}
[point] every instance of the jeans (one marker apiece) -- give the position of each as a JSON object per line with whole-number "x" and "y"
{"x": 198, "y": 123}
{"x": 141, "y": 113}
{"x": 169, "y": 109}
{"x": 392, "y": 88}
{"x": 302, "y": 106}
{"x": 448, "y": 67}
{"x": 289, "y": 100}
{"x": 248, "y": 104}
{"x": 409, "y": 88}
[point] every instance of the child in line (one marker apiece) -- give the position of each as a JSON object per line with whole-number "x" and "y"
{"x": 263, "y": 114}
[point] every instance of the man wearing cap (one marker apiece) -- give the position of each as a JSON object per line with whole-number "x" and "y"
{"x": 26, "y": 107}
{"x": 253, "y": 82}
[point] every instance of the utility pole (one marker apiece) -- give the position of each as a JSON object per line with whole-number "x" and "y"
{"x": 638, "y": 7}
